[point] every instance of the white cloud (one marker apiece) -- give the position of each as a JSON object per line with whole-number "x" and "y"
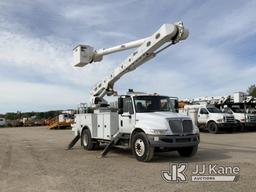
{"x": 90, "y": 15}
{"x": 192, "y": 70}
{"x": 50, "y": 58}
{"x": 205, "y": 64}
{"x": 47, "y": 57}
{"x": 236, "y": 24}
{"x": 113, "y": 34}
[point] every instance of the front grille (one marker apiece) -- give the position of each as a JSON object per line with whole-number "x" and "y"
{"x": 252, "y": 119}
{"x": 181, "y": 126}
{"x": 187, "y": 126}
{"x": 176, "y": 126}
{"x": 229, "y": 119}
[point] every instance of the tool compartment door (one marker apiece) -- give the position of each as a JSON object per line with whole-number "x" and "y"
{"x": 110, "y": 125}
{"x": 100, "y": 126}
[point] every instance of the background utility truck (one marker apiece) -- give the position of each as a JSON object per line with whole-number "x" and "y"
{"x": 239, "y": 105}
{"x": 142, "y": 122}
{"x": 210, "y": 118}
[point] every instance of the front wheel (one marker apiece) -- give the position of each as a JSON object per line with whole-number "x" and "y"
{"x": 188, "y": 151}
{"x": 141, "y": 147}
{"x": 213, "y": 127}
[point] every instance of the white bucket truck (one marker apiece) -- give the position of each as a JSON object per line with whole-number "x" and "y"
{"x": 142, "y": 122}
{"x": 239, "y": 105}
{"x": 210, "y": 118}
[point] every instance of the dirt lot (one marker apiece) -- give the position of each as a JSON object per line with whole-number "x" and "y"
{"x": 35, "y": 159}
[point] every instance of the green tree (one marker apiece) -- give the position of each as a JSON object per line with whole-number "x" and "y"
{"x": 252, "y": 90}
{"x": 11, "y": 116}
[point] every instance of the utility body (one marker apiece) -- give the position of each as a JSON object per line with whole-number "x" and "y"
{"x": 143, "y": 122}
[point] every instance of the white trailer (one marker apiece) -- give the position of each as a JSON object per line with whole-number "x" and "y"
{"x": 142, "y": 122}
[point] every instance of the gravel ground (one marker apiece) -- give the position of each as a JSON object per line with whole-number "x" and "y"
{"x": 35, "y": 159}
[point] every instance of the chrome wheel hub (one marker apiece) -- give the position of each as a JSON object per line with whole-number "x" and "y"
{"x": 139, "y": 147}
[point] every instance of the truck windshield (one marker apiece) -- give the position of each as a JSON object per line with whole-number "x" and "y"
{"x": 144, "y": 104}
{"x": 213, "y": 110}
{"x": 238, "y": 110}
{"x": 252, "y": 110}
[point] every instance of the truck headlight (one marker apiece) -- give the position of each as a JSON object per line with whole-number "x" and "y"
{"x": 159, "y": 132}
{"x": 195, "y": 129}
{"x": 220, "y": 120}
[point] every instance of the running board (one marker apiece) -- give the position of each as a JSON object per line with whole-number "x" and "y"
{"x": 112, "y": 143}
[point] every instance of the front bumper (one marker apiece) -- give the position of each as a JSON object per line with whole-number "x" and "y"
{"x": 173, "y": 141}
{"x": 227, "y": 125}
{"x": 249, "y": 124}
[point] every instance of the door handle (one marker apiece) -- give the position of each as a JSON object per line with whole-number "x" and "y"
{"x": 127, "y": 116}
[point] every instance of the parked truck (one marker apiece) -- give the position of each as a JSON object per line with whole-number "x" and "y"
{"x": 142, "y": 122}
{"x": 2, "y": 122}
{"x": 243, "y": 118}
{"x": 208, "y": 117}
{"x": 62, "y": 121}
{"x": 240, "y": 106}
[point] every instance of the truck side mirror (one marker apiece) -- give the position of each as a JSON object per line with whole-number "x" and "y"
{"x": 120, "y": 105}
{"x": 120, "y": 111}
{"x": 176, "y": 105}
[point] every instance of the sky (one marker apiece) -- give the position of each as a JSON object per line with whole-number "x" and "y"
{"x": 37, "y": 38}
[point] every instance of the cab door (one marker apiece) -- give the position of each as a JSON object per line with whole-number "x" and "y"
{"x": 127, "y": 118}
{"x": 202, "y": 116}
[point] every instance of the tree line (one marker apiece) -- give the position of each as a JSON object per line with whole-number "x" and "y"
{"x": 36, "y": 115}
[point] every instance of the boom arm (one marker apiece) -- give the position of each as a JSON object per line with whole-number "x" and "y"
{"x": 147, "y": 49}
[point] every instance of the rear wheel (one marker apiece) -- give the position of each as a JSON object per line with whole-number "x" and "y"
{"x": 213, "y": 127}
{"x": 188, "y": 151}
{"x": 141, "y": 147}
{"x": 86, "y": 140}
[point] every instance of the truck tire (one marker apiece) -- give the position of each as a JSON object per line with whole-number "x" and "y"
{"x": 141, "y": 147}
{"x": 188, "y": 151}
{"x": 86, "y": 140}
{"x": 212, "y": 127}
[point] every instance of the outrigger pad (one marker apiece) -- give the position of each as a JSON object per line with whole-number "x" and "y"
{"x": 111, "y": 144}
{"x": 73, "y": 142}
{"x": 108, "y": 148}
